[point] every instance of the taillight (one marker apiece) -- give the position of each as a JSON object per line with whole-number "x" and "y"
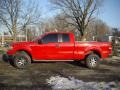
{"x": 110, "y": 48}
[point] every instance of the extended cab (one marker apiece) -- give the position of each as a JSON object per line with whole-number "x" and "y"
{"x": 57, "y": 46}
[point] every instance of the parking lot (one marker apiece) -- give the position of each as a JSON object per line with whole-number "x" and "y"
{"x": 36, "y": 74}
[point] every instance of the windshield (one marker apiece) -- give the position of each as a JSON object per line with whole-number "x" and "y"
{"x": 35, "y": 39}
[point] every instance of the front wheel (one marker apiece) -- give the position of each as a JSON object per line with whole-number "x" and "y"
{"x": 21, "y": 60}
{"x": 92, "y": 61}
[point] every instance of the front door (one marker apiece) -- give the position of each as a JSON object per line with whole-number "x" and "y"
{"x": 47, "y": 49}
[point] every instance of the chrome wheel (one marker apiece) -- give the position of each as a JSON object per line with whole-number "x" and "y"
{"x": 21, "y": 61}
{"x": 92, "y": 61}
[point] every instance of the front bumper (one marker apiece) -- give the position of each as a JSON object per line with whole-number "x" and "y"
{"x": 7, "y": 57}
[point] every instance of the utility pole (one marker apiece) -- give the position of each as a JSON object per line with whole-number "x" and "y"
{"x": 26, "y": 34}
{"x": 2, "y": 39}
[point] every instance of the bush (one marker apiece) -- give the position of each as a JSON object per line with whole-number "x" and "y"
{"x": 2, "y": 52}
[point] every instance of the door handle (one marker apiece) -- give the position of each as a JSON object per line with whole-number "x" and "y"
{"x": 57, "y": 45}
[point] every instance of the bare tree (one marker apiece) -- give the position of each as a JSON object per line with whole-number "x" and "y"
{"x": 96, "y": 30}
{"x": 60, "y": 23}
{"x": 101, "y": 29}
{"x": 31, "y": 16}
{"x": 79, "y": 11}
{"x": 15, "y": 15}
{"x": 9, "y": 15}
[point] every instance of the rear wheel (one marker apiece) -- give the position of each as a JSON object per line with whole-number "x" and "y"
{"x": 92, "y": 61}
{"x": 21, "y": 60}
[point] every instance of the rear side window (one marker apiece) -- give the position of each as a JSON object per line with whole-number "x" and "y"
{"x": 50, "y": 38}
{"x": 65, "y": 37}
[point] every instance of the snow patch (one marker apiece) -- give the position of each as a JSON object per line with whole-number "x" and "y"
{"x": 62, "y": 83}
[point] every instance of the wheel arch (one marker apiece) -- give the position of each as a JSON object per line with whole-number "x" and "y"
{"x": 25, "y": 52}
{"x": 93, "y": 52}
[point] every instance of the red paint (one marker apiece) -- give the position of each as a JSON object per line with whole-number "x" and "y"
{"x": 61, "y": 50}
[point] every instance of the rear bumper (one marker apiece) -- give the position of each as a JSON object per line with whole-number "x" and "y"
{"x": 107, "y": 57}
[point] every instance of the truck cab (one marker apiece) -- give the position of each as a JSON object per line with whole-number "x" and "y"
{"x": 53, "y": 46}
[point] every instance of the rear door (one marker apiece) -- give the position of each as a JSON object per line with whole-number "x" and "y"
{"x": 66, "y": 47}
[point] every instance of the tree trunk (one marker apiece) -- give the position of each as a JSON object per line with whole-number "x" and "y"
{"x": 14, "y": 33}
{"x": 81, "y": 33}
{"x": 26, "y": 34}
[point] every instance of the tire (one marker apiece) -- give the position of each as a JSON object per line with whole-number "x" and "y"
{"x": 21, "y": 60}
{"x": 92, "y": 61}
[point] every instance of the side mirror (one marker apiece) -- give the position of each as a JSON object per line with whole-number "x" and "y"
{"x": 40, "y": 41}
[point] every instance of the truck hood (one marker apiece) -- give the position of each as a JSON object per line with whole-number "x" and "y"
{"x": 22, "y": 43}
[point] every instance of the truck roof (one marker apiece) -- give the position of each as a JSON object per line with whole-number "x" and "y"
{"x": 58, "y": 33}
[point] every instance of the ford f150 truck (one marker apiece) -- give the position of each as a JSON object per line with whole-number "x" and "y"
{"x": 57, "y": 46}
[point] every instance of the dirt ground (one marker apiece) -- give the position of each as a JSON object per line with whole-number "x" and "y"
{"x": 36, "y": 74}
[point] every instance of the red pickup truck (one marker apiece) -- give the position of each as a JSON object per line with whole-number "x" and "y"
{"x": 57, "y": 46}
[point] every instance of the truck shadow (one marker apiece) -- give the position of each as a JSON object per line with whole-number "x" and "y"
{"x": 77, "y": 63}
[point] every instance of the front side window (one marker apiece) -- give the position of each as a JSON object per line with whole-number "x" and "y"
{"x": 50, "y": 38}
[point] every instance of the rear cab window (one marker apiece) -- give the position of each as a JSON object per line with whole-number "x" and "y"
{"x": 63, "y": 38}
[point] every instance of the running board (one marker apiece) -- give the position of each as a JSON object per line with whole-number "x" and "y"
{"x": 52, "y": 60}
